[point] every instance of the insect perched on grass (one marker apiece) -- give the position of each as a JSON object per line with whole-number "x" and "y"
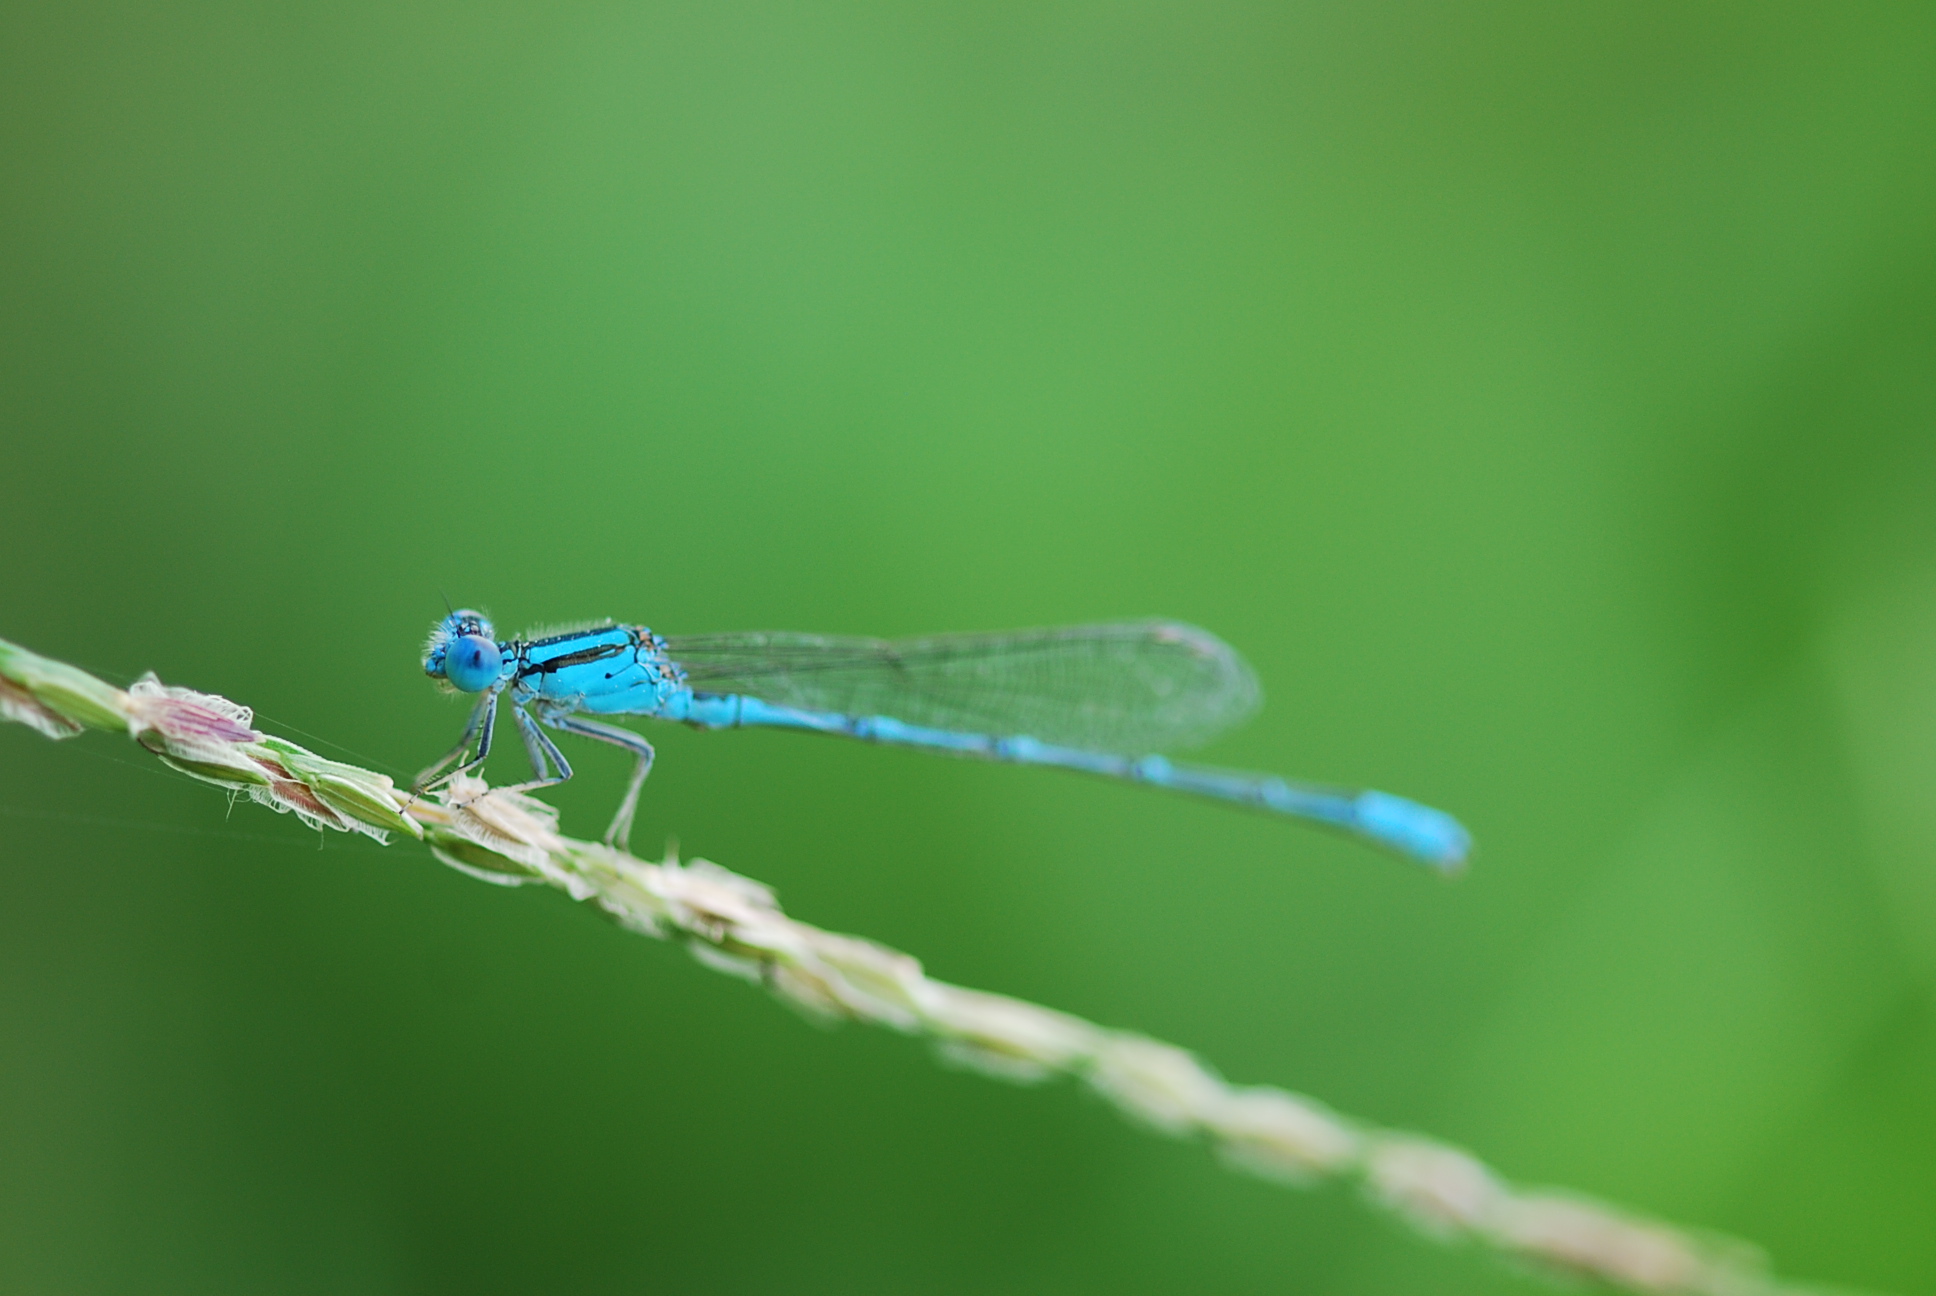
{"x": 1078, "y": 697}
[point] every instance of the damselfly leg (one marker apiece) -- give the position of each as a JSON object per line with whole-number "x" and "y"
{"x": 482, "y": 723}
{"x": 621, "y": 830}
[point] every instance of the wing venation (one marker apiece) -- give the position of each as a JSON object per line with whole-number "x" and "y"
{"x": 1128, "y": 686}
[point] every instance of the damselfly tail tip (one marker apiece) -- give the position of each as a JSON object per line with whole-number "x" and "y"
{"x": 1429, "y": 836}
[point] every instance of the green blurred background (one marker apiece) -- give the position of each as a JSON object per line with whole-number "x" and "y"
{"x": 1542, "y": 398}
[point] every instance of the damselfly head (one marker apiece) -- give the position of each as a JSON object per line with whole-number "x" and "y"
{"x": 472, "y": 663}
{"x": 462, "y": 651}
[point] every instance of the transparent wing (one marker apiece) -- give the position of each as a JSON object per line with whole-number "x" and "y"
{"x": 1127, "y": 687}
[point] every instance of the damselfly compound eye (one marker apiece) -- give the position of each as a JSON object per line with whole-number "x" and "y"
{"x": 471, "y": 663}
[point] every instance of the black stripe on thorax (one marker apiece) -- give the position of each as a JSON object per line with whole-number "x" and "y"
{"x": 566, "y": 661}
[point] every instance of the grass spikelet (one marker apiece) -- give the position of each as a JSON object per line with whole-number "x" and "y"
{"x": 734, "y": 924}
